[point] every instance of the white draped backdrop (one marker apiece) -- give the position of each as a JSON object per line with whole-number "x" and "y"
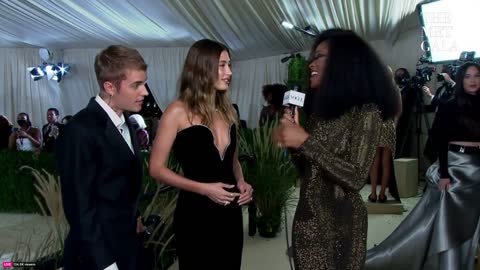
{"x": 20, "y": 94}
{"x": 162, "y": 30}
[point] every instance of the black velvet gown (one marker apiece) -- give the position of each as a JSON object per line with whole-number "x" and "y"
{"x": 207, "y": 235}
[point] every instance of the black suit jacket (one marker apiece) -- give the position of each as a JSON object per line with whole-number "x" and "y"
{"x": 101, "y": 180}
{"x": 49, "y": 142}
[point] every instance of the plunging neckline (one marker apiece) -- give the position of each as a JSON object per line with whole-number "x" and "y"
{"x": 220, "y": 153}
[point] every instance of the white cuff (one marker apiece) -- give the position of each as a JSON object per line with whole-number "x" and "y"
{"x": 112, "y": 267}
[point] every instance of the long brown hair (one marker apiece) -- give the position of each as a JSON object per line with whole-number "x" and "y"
{"x": 197, "y": 83}
{"x": 467, "y": 104}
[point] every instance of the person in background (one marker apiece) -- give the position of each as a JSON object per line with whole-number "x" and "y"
{"x": 100, "y": 168}
{"x": 444, "y": 93}
{"x": 6, "y": 129}
{"x": 335, "y": 150}
{"x": 442, "y": 231}
{"x": 141, "y": 132}
{"x": 201, "y": 129}
{"x": 51, "y": 130}
{"x": 404, "y": 132}
{"x": 273, "y": 108}
{"x": 383, "y": 161}
{"x": 243, "y": 123}
{"x": 26, "y": 137}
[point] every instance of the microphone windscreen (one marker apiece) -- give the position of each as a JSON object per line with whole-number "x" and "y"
{"x": 293, "y": 98}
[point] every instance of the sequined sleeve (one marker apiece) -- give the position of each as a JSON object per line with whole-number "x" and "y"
{"x": 348, "y": 172}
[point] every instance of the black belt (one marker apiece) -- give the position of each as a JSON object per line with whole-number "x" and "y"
{"x": 464, "y": 149}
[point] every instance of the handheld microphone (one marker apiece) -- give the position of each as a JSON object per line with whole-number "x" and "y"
{"x": 293, "y": 98}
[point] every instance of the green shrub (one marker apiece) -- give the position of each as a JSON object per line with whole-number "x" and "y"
{"x": 271, "y": 174}
{"x": 17, "y": 192}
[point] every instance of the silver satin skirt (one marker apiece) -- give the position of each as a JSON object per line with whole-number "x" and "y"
{"x": 442, "y": 231}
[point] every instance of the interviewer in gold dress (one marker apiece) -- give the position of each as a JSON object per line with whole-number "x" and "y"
{"x": 351, "y": 96}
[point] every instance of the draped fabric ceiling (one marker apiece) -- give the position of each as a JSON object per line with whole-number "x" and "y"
{"x": 251, "y": 28}
{"x": 163, "y": 29}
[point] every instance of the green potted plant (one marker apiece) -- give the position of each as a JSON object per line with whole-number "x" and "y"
{"x": 298, "y": 73}
{"x": 160, "y": 242}
{"x": 272, "y": 175}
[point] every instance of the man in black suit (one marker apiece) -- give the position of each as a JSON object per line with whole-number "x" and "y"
{"x": 100, "y": 167}
{"x": 51, "y": 130}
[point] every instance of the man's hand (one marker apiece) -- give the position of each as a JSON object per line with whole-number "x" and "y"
{"x": 447, "y": 78}
{"x": 140, "y": 227}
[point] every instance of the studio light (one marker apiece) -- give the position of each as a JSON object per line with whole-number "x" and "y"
{"x": 50, "y": 71}
{"x": 37, "y": 73}
{"x": 308, "y": 30}
{"x": 64, "y": 68}
{"x": 287, "y": 25}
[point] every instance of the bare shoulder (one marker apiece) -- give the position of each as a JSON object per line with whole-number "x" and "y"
{"x": 176, "y": 109}
{"x": 175, "y": 115}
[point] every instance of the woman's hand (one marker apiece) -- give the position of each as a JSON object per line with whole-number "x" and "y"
{"x": 23, "y": 134}
{"x": 218, "y": 193}
{"x": 444, "y": 183}
{"x": 289, "y": 133}
{"x": 140, "y": 227}
{"x": 246, "y": 192}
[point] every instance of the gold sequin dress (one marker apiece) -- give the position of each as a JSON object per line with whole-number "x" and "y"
{"x": 330, "y": 224}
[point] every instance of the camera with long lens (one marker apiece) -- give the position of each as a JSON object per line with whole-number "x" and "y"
{"x": 422, "y": 76}
{"x": 452, "y": 68}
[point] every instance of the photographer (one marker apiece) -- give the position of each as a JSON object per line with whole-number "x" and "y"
{"x": 444, "y": 92}
{"x": 409, "y": 99}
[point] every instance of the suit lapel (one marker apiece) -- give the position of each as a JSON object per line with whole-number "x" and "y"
{"x": 134, "y": 140}
{"x": 114, "y": 138}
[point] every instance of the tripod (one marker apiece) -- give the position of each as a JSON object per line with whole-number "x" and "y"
{"x": 420, "y": 113}
{"x": 410, "y": 123}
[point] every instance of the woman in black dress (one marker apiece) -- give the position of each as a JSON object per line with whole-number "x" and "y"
{"x": 201, "y": 128}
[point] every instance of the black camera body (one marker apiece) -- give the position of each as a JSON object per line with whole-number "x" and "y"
{"x": 422, "y": 75}
{"x": 450, "y": 69}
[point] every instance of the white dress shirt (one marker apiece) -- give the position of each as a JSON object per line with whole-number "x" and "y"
{"x": 118, "y": 121}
